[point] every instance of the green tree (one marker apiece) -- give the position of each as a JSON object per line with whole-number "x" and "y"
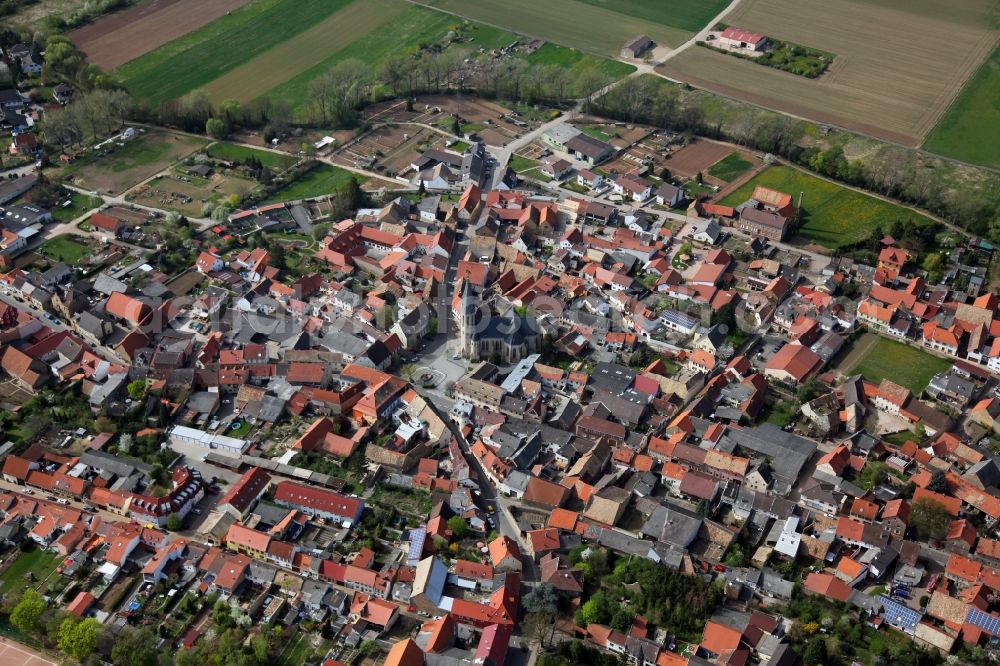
{"x": 541, "y": 597}
{"x": 938, "y": 482}
{"x": 78, "y": 638}
{"x": 736, "y": 558}
{"x": 596, "y": 610}
{"x": 28, "y": 611}
{"x": 216, "y": 128}
{"x": 232, "y": 111}
{"x": 929, "y": 518}
{"x": 135, "y": 647}
{"x": 459, "y": 526}
{"x": 621, "y": 619}
{"x": 815, "y": 653}
{"x": 174, "y": 522}
{"x": 137, "y": 389}
{"x": 808, "y": 390}
{"x": 352, "y": 193}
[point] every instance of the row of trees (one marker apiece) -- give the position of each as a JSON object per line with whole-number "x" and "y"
{"x": 89, "y": 642}
{"x": 335, "y": 97}
{"x": 889, "y": 170}
{"x": 91, "y": 117}
{"x": 73, "y": 636}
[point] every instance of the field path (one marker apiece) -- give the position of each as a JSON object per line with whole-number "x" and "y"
{"x": 701, "y": 35}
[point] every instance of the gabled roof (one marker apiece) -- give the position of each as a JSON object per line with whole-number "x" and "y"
{"x": 828, "y": 586}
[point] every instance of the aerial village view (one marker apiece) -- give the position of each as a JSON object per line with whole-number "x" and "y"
{"x": 499, "y": 332}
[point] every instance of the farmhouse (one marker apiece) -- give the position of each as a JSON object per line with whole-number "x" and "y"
{"x": 587, "y": 148}
{"x": 636, "y": 47}
{"x": 558, "y": 136}
{"x": 766, "y": 213}
{"x": 740, "y": 39}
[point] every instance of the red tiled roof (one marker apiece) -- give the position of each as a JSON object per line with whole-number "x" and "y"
{"x": 249, "y": 487}
{"x": 296, "y": 494}
{"x": 828, "y": 586}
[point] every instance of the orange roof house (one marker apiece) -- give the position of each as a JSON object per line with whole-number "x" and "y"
{"x": 127, "y": 308}
{"x": 827, "y": 586}
{"x": 405, "y": 653}
{"x": 720, "y": 640}
{"x": 504, "y": 554}
{"x": 793, "y": 363}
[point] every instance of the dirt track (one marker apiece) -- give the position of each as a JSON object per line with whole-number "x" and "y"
{"x": 115, "y": 39}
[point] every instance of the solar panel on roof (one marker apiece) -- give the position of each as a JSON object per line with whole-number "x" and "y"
{"x": 984, "y": 621}
{"x": 417, "y": 538}
{"x": 899, "y": 615}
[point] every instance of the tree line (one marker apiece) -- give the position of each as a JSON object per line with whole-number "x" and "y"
{"x": 892, "y": 171}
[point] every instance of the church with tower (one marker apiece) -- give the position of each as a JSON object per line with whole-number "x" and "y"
{"x": 486, "y": 335}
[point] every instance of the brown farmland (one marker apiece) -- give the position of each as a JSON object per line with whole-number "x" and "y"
{"x": 117, "y": 38}
{"x": 898, "y": 63}
{"x": 696, "y": 157}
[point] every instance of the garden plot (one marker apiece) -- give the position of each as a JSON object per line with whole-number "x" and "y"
{"x": 188, "y": 194}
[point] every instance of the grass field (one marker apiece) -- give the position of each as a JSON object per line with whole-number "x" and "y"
{"x": 904, "y": 364}
{"x": 36, "y": 561}
{"x": 64, "y": 249}
{"x": 970, "y": 129}
{"x": 79, "y": 204}
{"x": 832, "y": 215}
{"x": 322, "y": 180}
{"x": 729, "y": 168}
{"x": 899, "y": 64}
{"x": 136, "y": 161}
{"x": 413, "y": 26}
{"x": 201, "y": 56}
{"x": 690, "y": 15}
{"x": 577, "y": 61}
{"x": 233, "y": 153}
{"x": 519, "y": 163}
{"x": 598, "y": 26}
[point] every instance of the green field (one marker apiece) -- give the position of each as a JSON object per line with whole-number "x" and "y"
{"x": 577, "y": 61}
{"x": 283, "y": 63}
{"x": 970, "y": 129}
{"x": 79, "y": 204}
{"x": 233, "y": 153}
{"x": 204, "y": 55}
{"x": 519, "y": 163}
{"x": 314, "y": 46}
{"x": 729, "y": 167}
{"x": 899, "y": 362}
{"x": 36, "y": 561}
{"x": 597, "y": 26}
{"x": 404, "y": 32}
{"x": 64, "y": 249}
{"x": 690, "y": 15}
{"x": 832, "y": 215}
{"x": 322, "y": 180}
